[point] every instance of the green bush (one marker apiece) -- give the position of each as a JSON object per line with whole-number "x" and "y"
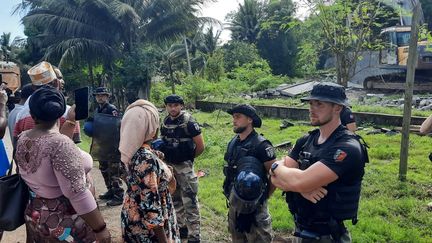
{"x": 214, "y": 69}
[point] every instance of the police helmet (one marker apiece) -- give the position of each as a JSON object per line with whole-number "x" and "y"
{"x": 171, "y": 99}
{"x": 248, "y": 185}
{"x": 157, "y": 144}
{"x": 88, "y": 128}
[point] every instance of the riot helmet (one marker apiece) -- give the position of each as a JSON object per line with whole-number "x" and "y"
{"x": 249, "y": 187}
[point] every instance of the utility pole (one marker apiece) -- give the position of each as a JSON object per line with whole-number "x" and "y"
{"x": 411, "y": 67}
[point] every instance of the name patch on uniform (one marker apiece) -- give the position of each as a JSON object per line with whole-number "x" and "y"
{"x": 270, "y": 152}
{"x": 340, "y": 155}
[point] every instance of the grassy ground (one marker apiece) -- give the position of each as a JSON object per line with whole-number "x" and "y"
{"x": 390, "y": 211}
{"x": 295, "y": 102}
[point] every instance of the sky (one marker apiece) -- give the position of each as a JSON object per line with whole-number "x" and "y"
{"x": 10, "y": 23}
{"x": 217, "y": 10}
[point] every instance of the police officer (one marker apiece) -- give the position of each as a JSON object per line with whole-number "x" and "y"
{"x": 348, "y": 119}
{"x": 182, "y": 142}
{"x": 111, "y": 170}
{"x": 253, "y": 225}
{"x": 323, "y": 173}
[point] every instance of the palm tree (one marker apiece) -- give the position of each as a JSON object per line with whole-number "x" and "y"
{"x": 103, "y": 31}
{"x": 245, "y": 23}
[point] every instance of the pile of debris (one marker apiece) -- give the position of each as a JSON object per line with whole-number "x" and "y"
{"x": 420, "y": 103}
{"x": 282, "y": 91}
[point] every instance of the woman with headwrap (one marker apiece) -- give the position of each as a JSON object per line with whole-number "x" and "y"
{"x": 148, "y": 212}
{"x": 61, "y": 207}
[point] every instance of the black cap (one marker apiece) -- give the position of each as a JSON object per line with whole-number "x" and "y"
{"x": 328, "y": 92}
{"x": 101, "y": 90}
{"x": 171, "y": 99}
{"x": 249, "y": 111}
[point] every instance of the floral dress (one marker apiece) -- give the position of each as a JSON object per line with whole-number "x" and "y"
{"x": 147, "y": 201}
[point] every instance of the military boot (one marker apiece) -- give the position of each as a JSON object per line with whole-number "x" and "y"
{"x": 115, "y": 201}
{"x": 107, "y": 195}
{"x": 183, "y": 233}
{"x": 117, "y": 198}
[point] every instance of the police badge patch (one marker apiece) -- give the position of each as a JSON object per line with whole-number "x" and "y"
{"x": 340, "y": 155}
{"x": 270, "y": 152}
{"x": 196, "y": 126}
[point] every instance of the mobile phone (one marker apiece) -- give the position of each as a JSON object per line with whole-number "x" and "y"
{"x": 81, "y": 103}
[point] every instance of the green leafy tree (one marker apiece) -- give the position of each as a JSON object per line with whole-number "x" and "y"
{"x": 347, "y": 30}
{"x": 276, "y": 45}
{"x": 214, "y": 69}
{"x": 237, "y": 53}
{"x": 427, "y": 12}
{"x": 103, "y": 32}
{"x": 245, "y": 22}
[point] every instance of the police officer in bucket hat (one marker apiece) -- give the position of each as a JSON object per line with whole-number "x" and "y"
{"x": 246, "y": 185}
{"x": 322, "y": 175}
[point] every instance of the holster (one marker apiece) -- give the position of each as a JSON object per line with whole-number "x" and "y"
{"x": 337, "y": 229}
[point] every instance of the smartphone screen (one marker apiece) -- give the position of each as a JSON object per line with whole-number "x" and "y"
{"x": 81, "y": 103}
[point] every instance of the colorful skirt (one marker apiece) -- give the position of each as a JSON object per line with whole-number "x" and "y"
{"x": 55, "y": 220}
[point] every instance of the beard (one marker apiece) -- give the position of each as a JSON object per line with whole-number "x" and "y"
{"x": 239, "y": 129}
{"x": 321, "y": 122}
{"x": 174, "y": 113}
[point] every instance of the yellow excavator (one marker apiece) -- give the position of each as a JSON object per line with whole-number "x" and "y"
{"x": 393, "y": 62}
{"x": 10, "y": 75}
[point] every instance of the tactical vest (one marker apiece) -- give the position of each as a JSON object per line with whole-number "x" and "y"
{"x": 234, "y": 153}
{"x": 342, "y": 200}
{"x": 107, "y": 108}
{"x": 178, "y": 145}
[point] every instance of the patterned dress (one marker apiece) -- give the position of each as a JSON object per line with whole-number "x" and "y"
{"x": 147, "y": 201}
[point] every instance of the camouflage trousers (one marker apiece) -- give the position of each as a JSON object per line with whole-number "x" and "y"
{"x": 112, "y": 172}
{"x": 186, "y": 201}
{"x": 345, "y": 238}
{"x": 261, "y": 230}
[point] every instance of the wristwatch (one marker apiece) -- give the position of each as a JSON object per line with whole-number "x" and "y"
{"x": 273, "y": 167}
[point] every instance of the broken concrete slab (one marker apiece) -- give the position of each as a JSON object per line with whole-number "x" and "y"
{"x": 297, "y": 89}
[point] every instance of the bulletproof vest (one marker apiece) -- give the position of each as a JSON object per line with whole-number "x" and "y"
{"x": 178, "y": 145}
{"x": 107, "y": 108}
{"x": 235, "y": 152}
{"x": 342, "y": 200}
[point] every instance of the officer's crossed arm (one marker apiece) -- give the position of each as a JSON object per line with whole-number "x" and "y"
{"x": 426, "y": 126}
{"x": 296, "y": 180}
{"x": 199, "y": 143}
{"x": 314, "y": 195}
{"x": 267, "y": 166}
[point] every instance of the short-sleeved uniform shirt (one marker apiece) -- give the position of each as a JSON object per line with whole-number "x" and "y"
{"x": 347, "y": 116}
{"x": 344, "y": 156}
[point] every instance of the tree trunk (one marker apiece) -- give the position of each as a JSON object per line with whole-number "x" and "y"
{"x": 338, "y": 69}
{"x": 187, "y": 56}
{"x": 91, "y": 75}
{"x": 171, "y": 77}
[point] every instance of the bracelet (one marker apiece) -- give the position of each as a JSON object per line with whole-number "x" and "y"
{"x": 102, "y": 228}
{"x": 70, "y": 122}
